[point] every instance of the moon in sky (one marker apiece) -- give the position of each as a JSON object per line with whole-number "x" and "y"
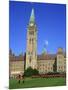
{"x": 46, "y": 42}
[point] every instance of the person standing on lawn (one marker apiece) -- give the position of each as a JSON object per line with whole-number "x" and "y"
{"x": 19, "y": 78}
{"x": 23, "y": 78}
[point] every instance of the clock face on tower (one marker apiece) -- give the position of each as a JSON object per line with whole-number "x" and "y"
{"x": 31, "y": 24}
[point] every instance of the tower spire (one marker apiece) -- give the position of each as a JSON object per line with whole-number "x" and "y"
{"x": 32, "y": 17}
{"x": 31, "y": 49}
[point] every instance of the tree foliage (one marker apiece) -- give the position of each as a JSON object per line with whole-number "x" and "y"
{"x": 29, "y": 72}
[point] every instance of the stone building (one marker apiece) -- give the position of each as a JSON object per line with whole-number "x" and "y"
{"x": 61, "y": 61}
{"x": 44, "y": 63}
{"x": 52, "y": 62}
{"x": 16, "y": 64}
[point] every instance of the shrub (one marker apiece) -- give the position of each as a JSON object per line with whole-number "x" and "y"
{"x": 35, "y": 72}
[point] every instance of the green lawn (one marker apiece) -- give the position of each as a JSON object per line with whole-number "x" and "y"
{"x": 36, "y": 82}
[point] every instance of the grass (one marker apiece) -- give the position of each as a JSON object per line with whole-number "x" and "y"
{"x": 36, "y": 82}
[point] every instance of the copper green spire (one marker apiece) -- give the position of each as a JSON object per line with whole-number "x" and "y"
{"x": 44, "y": 51}
{"x": 32, "y": 17}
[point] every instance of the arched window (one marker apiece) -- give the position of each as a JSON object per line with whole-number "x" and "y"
{"x": 30, "y": 40}
{"x": 30, "y": 59}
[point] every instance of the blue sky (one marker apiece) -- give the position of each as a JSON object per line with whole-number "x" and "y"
{"x": 51, "y": 25}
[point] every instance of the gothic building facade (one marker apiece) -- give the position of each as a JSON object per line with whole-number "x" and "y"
{"x": 44, "y": 63}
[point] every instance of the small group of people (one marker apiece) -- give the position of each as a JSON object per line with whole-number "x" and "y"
{"x": 20, "y": 78}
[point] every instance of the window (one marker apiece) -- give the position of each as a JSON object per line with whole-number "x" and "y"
{"x": 64, "y": 67}
{"x": 30, "y": 40}
{"x": 30, "y": 59}
{"x": 59, "y": 67}
{"x": 48, "y": 68}
{"x": 31, "y": 32}
{"x": 51, "y": 68}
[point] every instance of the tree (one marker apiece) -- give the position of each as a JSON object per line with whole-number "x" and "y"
{"x": 29, "y": 72}
{"x": 35, "y": 72}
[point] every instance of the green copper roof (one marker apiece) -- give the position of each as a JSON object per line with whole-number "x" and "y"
{"x": 32, "y": 17}
{"x": 44, "y": 51}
